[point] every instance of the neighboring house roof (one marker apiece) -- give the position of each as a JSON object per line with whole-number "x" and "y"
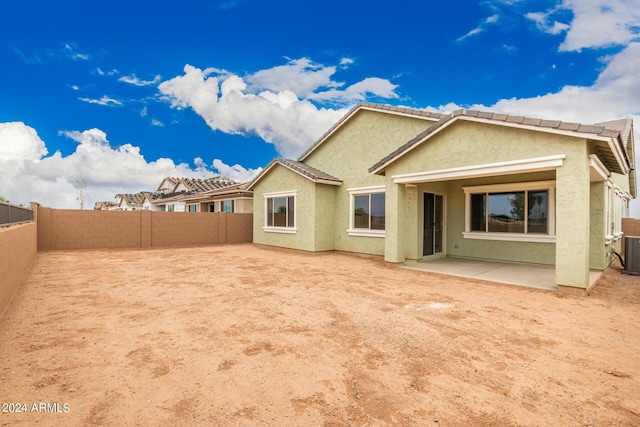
{"x": 192, "y": 186}
{"x": 104, "y": 205}
{"x": 617, "y": 161}
{"x": 134, "y": 200}
{"x": 300, "y": 168}
{"x": 201, "y": 185}
{"x": 239, "y": 188}
{"x": 404, "y": 111}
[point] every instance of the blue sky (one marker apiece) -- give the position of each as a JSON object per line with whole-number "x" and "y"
{"x": 121, "y": 94}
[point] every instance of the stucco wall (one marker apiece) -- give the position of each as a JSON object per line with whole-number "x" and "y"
{"x": 280, "y": 179}
{"x": 84, "y": 229}
{"x": 18, "y": 247}
{"x": 348, "y": 154}
{"x": 325, "y": 202}
{"x": 468, "y": 144}
{"x": 598, "y": 251}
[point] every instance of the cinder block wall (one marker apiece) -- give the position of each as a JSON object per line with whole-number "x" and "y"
{"x": 77, "y": 229}
{"x": 18, "y": 247}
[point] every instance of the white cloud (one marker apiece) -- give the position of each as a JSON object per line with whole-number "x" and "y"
{"x": 593, "y": 23}
{"x": 156, "y": 122}
{"x": 613, "y": 95}
{"x": 544, "y": 23}
{"x": 133, "y": 80}
{"x": 301, "y": 76}
{"x": 105, "y": 100}
{"x": 235, "y": 172}
{"x": 27, "y": 175}
{"x": 107, "y": 73}
{"x": 20, "y": 142}
{"x": 71, "y": 51}
{"x": 345, "y": 62}
{"x": 274, "y": 104}
{"x": 490, "y": 20}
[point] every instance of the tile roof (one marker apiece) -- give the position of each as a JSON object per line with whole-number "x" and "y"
{"x": 98, "y": 206}
{"x": 371, "y": 106}
{"x": 303, "y": 169}
{"x": 625, "y": 126}
{"x": 237, "y": 188}
{"x": 208, "y": 184}
{"x": 608, "y": 129}
{"x": 306, "y": 170}
{"x": 132, "y": 199}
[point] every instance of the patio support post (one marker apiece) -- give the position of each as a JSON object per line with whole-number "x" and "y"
{"x": 394, "y": 242}
{"x": 572, "y": 223}
{"x": 412, "y": 225}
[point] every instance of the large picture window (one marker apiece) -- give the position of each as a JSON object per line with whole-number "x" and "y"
{"x": 367, "y": 212}
{"x": 280, "y": 212}
{"x": 511, "y": 211}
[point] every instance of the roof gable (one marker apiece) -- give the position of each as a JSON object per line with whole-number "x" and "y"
{"x": 308, "y": 172}
{"x": 404, "y": 111}
{"x": 602, "y": 132}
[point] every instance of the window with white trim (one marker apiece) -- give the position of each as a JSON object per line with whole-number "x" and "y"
{"x": 620, "y": 206}
{"x": 516, "y": 212}
{"x": 192, "y": 208}
{"x": 280, "y": 212}
{"x": 367, "y": 211}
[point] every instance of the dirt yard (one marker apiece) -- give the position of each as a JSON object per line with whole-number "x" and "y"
{"x": 244, "y": 335}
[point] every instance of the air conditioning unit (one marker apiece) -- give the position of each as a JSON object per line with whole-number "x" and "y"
{"x": 632, "y": 255}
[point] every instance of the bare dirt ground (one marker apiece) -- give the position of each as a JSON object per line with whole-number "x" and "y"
{"x": 244, "y": 335}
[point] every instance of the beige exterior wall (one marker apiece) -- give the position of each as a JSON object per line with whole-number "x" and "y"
{"x": 83, "y": 229}
{"x": 599, "y": 258}
{"x": 348, "y": 154}
{"x": 18, "y": 247}
{"x": 457, "y": 146}
{"x": 325, "y": 229}
{"x": 280, "y": 179}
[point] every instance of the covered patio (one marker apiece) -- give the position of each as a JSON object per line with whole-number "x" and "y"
{"x": 528, "y": 275}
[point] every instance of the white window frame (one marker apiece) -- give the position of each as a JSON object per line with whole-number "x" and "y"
{"x": 363, "y": 191}
{"x": 620, "y": 211}
{"x": 549, "y": 186}
{"x": 608, "y": 234}
{"x": 284, "y": 230}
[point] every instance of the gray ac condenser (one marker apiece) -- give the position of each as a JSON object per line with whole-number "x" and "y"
{"x": 632, "y": 255}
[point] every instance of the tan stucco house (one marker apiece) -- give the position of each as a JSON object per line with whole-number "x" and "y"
{"x": 410, "y": 184}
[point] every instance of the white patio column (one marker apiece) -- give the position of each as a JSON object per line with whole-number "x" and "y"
{"x": 394, "y": 245}
{"x": 572, "y": 223}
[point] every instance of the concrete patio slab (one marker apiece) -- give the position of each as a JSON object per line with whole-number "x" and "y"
{"x": 529, "y": 275}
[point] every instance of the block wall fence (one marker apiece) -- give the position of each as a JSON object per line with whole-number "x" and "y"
{"x": 60, "y": 229}
{"x": 18, "y": 246}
